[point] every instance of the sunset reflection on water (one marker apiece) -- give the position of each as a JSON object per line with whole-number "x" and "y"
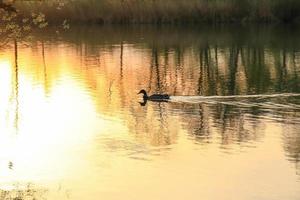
{"x": 72, "y": 126}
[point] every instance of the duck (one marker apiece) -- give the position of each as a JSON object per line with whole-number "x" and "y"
{"x": 154, "y": 97}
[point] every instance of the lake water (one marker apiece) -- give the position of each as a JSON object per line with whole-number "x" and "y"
{"x": 73, "y": 127}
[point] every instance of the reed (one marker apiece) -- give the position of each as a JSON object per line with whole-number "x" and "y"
{"x": 167, "y": 11}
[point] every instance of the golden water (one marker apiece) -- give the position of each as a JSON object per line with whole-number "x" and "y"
{"x": 72, "y": 127}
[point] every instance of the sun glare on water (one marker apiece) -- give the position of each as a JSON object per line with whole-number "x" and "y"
{"x": 71, "y": 122}
{"x": 43, "y": 136}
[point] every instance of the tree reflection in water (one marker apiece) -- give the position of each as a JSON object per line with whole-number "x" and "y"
{"x": 113, "y": 66}
{"x": 210, "y": 61}
{"x": 28, "y": 192}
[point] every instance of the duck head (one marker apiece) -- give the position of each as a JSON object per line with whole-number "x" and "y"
{"x": 143, "y": 92}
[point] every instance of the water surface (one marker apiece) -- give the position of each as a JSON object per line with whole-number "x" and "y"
{"x": 73, "y": 127}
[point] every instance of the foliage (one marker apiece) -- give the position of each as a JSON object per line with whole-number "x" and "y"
{"x": 286, "y": 11}
{"x": 19, "y": 17}
{"x": 167, "y": 11}
{"x": 15, "y": 24}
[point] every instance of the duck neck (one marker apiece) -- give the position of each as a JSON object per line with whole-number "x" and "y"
{"x": 145, "y": 96}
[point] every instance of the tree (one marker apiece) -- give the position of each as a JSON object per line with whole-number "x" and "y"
{"x": 15, "y": 25}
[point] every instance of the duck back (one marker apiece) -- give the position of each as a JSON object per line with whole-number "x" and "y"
{"x": 159, "y": 96}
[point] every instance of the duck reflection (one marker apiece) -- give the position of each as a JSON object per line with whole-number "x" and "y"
{"x": 144, "y": 102}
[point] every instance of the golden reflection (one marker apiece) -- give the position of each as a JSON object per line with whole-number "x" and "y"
{"x": 45, "y": 135}
{"x": 70, "y": 121}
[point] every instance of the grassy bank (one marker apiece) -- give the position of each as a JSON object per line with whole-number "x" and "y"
{"x": 168, "y": 11}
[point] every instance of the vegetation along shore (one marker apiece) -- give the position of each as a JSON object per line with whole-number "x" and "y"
{"x": 165, "y": 11}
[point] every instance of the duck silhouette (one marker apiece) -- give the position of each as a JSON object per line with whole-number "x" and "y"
{"x": 154, "y": 97}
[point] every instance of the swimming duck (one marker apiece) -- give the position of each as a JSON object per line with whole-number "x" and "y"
{"x": 154, "y": 97}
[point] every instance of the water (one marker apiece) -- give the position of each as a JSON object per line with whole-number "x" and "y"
{"x": 73, "y": 127}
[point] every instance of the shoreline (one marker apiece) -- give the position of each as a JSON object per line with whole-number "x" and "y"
{"x": 173, "y": 12}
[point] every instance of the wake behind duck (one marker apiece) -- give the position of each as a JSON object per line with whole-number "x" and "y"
{"x": 230, "y": 99}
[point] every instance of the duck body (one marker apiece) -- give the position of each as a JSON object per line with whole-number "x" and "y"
{"x": 158, "y": 96}
{"x": 154, "y": 97}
